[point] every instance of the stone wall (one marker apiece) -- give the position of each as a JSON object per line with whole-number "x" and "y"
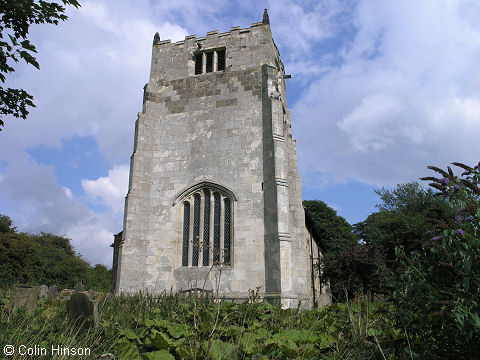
{"x": 231, "y": 128}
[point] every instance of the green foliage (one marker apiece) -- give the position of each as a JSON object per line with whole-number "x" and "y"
{"x": 437, "y": 286}
{"x": 402, "y": 218}
{"x": 98, "y": 278}
{"x": 45, "y": 259}
{"x": 354, "y": 270}
{"x": 16, "y": 18}
{"x": 333, "y": 229}
{"x": 346, "y": 265}
{"x": 256, "y": 330}
{"x": 177, "y": 327}
{"x": 6, "y": 225}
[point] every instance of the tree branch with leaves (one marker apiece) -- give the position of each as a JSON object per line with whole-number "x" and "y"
{"x": 15, "y": 21}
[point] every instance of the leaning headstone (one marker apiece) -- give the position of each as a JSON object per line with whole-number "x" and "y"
{"x": 43, "y": 291}
{"x": 25, "y": 296}
{"x": 81, "y": 308}
{"x": 53, "y": 291}
{"x": 79, "y": 287}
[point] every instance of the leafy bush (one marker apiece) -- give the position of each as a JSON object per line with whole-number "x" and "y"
{"x": 354, "y": 269}
{"x": 437, "y": 286}
{"x": 45, "y": 259}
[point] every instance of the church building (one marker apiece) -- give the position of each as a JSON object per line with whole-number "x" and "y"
{"x": 214, "y": 201}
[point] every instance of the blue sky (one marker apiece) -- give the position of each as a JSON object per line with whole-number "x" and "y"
{"x": 379, "y": 90}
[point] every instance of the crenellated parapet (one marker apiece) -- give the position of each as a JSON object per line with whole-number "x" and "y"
{"x": 245, "y": 48}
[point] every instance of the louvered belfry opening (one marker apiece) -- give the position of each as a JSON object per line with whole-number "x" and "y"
{"x": 210, "y": 61}
{"x": 209, "y": 56}
{"x": 198, "y": 63}
{"x": 220, "y": 60}
{"x": 207, "y": 235}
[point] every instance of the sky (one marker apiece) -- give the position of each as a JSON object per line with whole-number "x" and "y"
{"x": 379, "y": 90}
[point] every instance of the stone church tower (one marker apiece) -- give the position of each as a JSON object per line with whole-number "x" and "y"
{"x": 214, "y": 199}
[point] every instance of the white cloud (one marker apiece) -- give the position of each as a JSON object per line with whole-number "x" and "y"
{"x": 93, "y": 69}
{"x": 36, "y": 203}
{"x": 301, "y": 31}
{"x": 67, "y": 191}
{"x": 405, "y": 95}
{"x": 299, "y": 25}
{"x": 92, "y": 238}
{"x": 111, "y": 190}
{"x": 371, "y": 124}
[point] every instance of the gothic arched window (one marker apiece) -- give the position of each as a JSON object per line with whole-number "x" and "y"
{"x": 207, "y": 225}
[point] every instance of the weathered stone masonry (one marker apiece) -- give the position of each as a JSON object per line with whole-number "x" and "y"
{"x": 214, "y": 198}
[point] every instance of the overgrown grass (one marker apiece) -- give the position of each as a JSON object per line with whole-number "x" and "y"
{"x": 175, "y": 327}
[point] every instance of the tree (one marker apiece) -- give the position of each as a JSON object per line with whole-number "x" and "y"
{"x": 403, "y": 218}
{"x": 333, "y": 229}
{"x": 355, "y": 267}
{"x": 6, "y": 224}
{"x": 345, "y": 263}
{"x": 16, "y": 18}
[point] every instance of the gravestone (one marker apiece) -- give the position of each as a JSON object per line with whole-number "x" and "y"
{"x": 81, "y": 308}
{"x": 53, "y": 291}
{"x": 25, "y": 296}
{"x": 43, "y": 291}
{"x": 79, "y": 287}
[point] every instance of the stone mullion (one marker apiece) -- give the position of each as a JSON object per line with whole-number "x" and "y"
{"x": 204, "y": 63}
{"x": 215, "y": 61}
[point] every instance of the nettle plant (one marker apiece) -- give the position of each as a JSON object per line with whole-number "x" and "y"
{"x": 437, "y": 287}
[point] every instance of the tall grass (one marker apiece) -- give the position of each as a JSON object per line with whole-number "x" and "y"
{"x": 200, "y": 327}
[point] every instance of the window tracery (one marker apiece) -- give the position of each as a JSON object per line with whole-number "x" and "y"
{"x": 207, "y": 226}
